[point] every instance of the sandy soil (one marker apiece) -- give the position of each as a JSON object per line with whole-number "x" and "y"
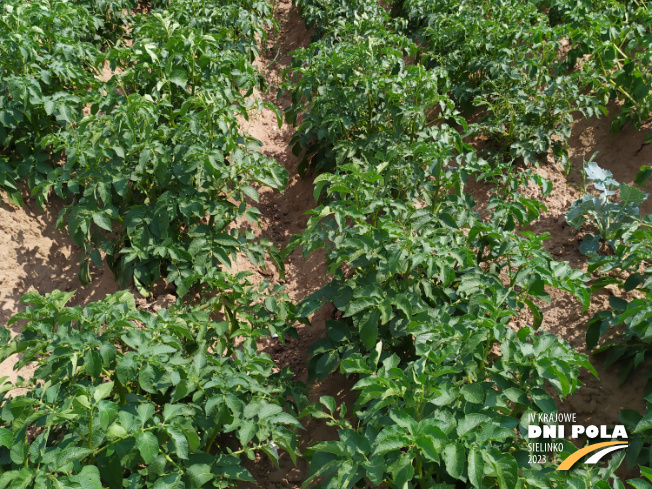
{"x": 37, "y": 256}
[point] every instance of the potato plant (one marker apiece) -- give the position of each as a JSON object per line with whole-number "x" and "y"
{"x": 612, "y": 38}
{"x": 359, "y": 92}
{"x": 614, "y": 212}
{"x": 127, "y": 398}
{"x": 524, "y": 87}
{"x": 153, "y": 168}
{"x": 159, "y": 169}
{"x": 422, "y": 308}
{"x": 111, "y": 19}
{"x": 330, "y": 17}
{"x": 508, "y": 75}
{"x": 48, "y": 64}
{"x": 240, "y": 25}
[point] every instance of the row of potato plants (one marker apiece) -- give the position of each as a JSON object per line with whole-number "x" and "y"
{"x": 153, "y": 168}
{"x": 563, "y": 58}
{"x": 619, "y": 251}
{"x": 161, "y": 147}
{"x": 122, "y": 397}
{"x": 423, "y": 286}
{"x": 50, "y": 52}
{"x": 558, "y": 58}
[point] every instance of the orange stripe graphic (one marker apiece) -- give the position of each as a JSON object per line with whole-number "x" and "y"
{"x": 571, "y": 459}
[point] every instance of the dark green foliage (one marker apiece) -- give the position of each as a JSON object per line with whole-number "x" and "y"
{"x": 123, "y": 396}
{"x": 47, "y": 66}
{"x": 158, "y": 170}
{"x": 508, "y": 62}
{"x": 628, "y": 236}
{"x": 154, "y": 170}
{"x": 424, "y": 285}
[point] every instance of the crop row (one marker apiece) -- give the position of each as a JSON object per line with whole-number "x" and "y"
{"x": 620, "y": 253}
{"x": 50, "y": 53}
{"x": 424, "y": 286}
{"x": 556, "y": 59}
{"x": 161, "y": 148}
{"x": 153, "y": 168}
